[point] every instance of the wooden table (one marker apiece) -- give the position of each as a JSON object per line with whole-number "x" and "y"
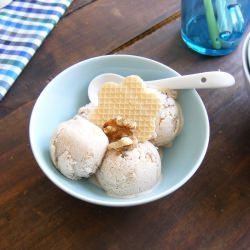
{"x": 211, "y": 211}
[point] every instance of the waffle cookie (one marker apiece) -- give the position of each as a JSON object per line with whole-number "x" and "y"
{"x": 131, "y": 100}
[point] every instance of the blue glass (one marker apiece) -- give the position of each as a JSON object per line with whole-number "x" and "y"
{"x": 231, "y": 19}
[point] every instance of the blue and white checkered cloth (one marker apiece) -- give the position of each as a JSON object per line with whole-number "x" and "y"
{"x": 24, "y": 24}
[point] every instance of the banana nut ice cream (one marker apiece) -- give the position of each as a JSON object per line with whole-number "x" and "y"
{"x": 77, "y": 148}
{"x": 128, "y": 173}
{"x": 86, "y": 110}
{"x": 169, "y": 121}
{"x": 123, "y": 165}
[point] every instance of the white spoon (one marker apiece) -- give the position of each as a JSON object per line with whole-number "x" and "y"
{"x": 213, "y": 79}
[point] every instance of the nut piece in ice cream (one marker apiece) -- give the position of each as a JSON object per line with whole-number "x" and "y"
{"x": 118, "y": 128}
{"x": 131, "y": 100}
{"x": 120, "y": 133}
{"x": 130, "y": 172}
{"x": 125, "y": 143}
{"x": 77, "y": 148}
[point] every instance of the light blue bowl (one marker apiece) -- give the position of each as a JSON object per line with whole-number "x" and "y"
{"x": 67, "y": 92}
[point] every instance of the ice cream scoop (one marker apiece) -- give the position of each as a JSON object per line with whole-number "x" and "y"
{"x": 86, "y": 110}
{"x": 169, "y": 121}
{"x": 77, "y": 148}
{"x": 213, "y": 79}
{"x": 130, "y": 172}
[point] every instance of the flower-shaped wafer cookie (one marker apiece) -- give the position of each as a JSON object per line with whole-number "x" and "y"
{"x": 131, "y": 100}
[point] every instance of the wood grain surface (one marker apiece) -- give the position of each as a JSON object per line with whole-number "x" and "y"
{"x": 211, "y": 211}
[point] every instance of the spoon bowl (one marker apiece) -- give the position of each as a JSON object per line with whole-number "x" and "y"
{"x": 213, "y": 79}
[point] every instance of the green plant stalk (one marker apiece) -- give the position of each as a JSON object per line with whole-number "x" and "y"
{"x": 212, "y": 25}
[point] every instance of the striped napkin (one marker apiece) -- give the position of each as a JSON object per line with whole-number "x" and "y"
{"x": 24, "y": 24}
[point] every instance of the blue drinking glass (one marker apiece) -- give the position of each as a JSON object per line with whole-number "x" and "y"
{"x": 214, "y": 27}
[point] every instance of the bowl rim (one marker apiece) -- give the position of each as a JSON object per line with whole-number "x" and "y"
{"x": 244, "y": 55}
{"x": 128, "y": 202}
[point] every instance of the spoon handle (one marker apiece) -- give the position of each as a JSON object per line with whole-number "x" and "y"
{"x": 213, "y": 79}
